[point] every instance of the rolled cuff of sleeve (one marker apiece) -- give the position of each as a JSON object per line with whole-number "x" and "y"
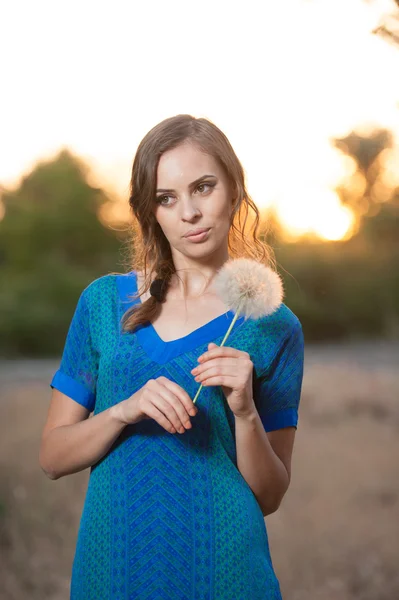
{"x": 74, "y": 389}
{"x": 280, "y": 419}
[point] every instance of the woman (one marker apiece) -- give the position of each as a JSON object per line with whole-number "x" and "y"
{"x": 178, "y": 491}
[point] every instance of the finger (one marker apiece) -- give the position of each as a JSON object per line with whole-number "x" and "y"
{"x": 167, "y": 403}
{"x": 218, "y": 370}
{"x": 177, "y": 404}
{"x": 154, "y": 413}
{"x": 178, "y": 391}
{"x": 225, "y": 380}
{"x": 230, "y": 363}
{"x": 214, "y": 372}
{"x": 222, "y": 351}
{"x": 173, "y": 409}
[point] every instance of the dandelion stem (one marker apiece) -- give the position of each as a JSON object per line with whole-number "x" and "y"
{"x": 224, "y": 339}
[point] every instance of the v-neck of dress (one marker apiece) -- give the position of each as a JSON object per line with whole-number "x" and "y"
{"x": 160, "y": 350}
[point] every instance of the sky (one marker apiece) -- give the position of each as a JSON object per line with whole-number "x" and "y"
{"x": 279, "y": 78}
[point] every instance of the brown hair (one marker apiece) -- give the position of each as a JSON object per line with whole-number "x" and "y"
{"x": 150, "y": 250}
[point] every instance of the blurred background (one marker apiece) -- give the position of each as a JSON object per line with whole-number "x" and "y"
{"x": 308, "y": 94}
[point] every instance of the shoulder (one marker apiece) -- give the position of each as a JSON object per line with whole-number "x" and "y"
{"x": 101, "y": 289}
{"x": 265, "y": 338}
{"x": 282, "y": 323}
{"x": 276, "y": 335}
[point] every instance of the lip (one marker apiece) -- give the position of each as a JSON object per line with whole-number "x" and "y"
{"x": 197, "y": 232}
{"x": 199, "y": 237}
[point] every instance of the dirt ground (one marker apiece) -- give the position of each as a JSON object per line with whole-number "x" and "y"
{"x": 336, "y": 533}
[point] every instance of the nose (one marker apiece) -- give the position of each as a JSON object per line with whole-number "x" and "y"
{"x": 189, "y": 209}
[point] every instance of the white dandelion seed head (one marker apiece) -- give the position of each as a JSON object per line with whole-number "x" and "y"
{"x": 249, "y": 287}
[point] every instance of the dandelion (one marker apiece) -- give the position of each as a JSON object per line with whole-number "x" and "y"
{"x": 248, "y": 288}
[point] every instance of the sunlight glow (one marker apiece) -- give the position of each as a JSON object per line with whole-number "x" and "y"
{"x": 315, "y": 211}
{"x": 280, "y": 95}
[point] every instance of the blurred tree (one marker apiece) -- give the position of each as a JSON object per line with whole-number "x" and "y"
{"x": 351, "y": 288}
{"x": 52, "y": 245}
{"x": 383, "y": 228}
{"x": 52, "y": 218}
{"x": 365, "y": 192}
{"x": 358, "y": 191}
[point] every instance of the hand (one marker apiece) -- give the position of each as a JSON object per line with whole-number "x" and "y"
{"x": 162, "y": 400}
{"x": 232, "y": 369}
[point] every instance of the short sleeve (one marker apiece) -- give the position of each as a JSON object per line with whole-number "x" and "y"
{"x": 78, "y": 370}
{"x": 278, "y": 391}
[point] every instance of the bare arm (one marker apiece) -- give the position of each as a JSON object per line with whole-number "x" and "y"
{"x": 264, "y": 460}
{"x": 71, "y": 441}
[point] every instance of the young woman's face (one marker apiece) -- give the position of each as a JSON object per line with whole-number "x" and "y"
{"x": 192, "y": 193}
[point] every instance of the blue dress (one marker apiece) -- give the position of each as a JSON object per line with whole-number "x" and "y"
{"x": 169, "y": 516}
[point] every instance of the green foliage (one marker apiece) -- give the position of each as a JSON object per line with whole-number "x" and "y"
{"x": 343, "y": 289}
{"x": 51, "y": 246}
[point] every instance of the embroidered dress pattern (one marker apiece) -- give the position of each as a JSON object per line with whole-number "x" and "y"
{"x": 169, "y": 515}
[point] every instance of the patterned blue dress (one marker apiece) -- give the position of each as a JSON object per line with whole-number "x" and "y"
{"x": 169, "y": 516}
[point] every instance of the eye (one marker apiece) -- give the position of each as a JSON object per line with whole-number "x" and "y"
{"x": 210, "y": 185}
{"x": 160, "y": 198}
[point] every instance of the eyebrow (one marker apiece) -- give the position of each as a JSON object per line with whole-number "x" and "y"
{"x": 194, "y": 183}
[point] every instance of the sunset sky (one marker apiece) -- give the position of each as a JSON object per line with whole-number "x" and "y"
{"x": 279, "y": 78}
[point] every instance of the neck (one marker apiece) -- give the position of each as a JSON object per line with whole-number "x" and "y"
{"x": 195, "y": 279}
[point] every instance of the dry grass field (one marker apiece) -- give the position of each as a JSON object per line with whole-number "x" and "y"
{"x": 336, "y": 534}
